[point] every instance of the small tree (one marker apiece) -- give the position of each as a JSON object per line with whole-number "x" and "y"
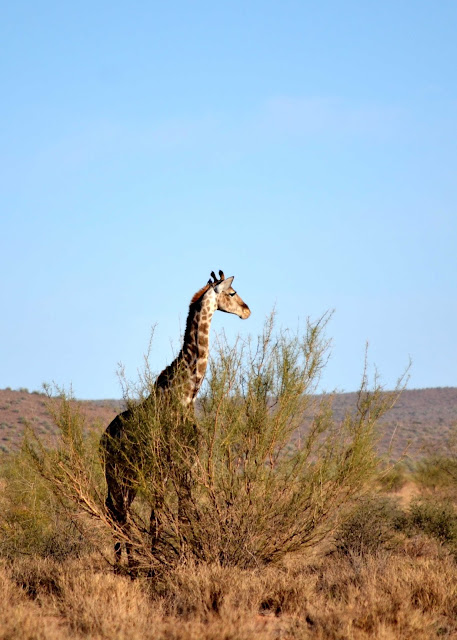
{"x": 264, "y": 469}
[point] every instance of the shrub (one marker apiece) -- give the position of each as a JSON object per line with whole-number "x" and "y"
{"x": 33, "y": 520}
{"x": 436, "y": 518}
{"x": 241, "y": 484}
{"x": 437, "y": 472}
{"x": 393, "y": 478}
{"x": 372, "y": 525}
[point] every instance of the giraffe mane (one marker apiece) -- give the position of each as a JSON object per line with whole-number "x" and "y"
{"x": 199, "y": 293}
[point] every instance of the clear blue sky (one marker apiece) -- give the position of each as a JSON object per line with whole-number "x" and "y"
{"x": 309, "y": 149}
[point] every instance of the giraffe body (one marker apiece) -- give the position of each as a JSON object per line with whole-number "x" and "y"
{"x": 182, "y": 378}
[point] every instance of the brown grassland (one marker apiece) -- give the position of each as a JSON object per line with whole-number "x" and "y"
{"x": 407, "y": 593}
{"x": 370, "y": 546}
{"x": 404, "y": 586}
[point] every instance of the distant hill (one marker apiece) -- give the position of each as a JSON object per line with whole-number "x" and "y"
{"x": 18, "y": 408}
{"x": 422, "y": 418}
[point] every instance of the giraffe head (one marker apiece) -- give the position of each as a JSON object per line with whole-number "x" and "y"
{"x": 227, "y": 298}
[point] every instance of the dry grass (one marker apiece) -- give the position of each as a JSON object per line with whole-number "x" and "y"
{"x": 411, "y": 593}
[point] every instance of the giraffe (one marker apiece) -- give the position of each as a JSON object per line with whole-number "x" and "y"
{"x": 183, "y": 377}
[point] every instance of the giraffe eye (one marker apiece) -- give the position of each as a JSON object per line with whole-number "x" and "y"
{"x": 232, "y": 294}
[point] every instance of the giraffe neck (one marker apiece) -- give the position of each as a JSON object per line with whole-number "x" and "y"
{"x": 195, "y": 348}
{"x": 190, "y": 364}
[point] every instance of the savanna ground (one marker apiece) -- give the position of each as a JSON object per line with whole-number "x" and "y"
{"x": 334, "y": 541}
{"x": 391, "y": 573}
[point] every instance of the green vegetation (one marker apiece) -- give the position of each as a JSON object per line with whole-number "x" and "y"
{"x": 437, "y": 518}
{"x": 372, "y": 524}
{"x": 235, "y": 488}
{"x": 33, "y": 521}
{"x": 394, "y": 477}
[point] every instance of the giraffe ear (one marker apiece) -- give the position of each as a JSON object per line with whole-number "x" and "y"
{"x": 224, "y": 285}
